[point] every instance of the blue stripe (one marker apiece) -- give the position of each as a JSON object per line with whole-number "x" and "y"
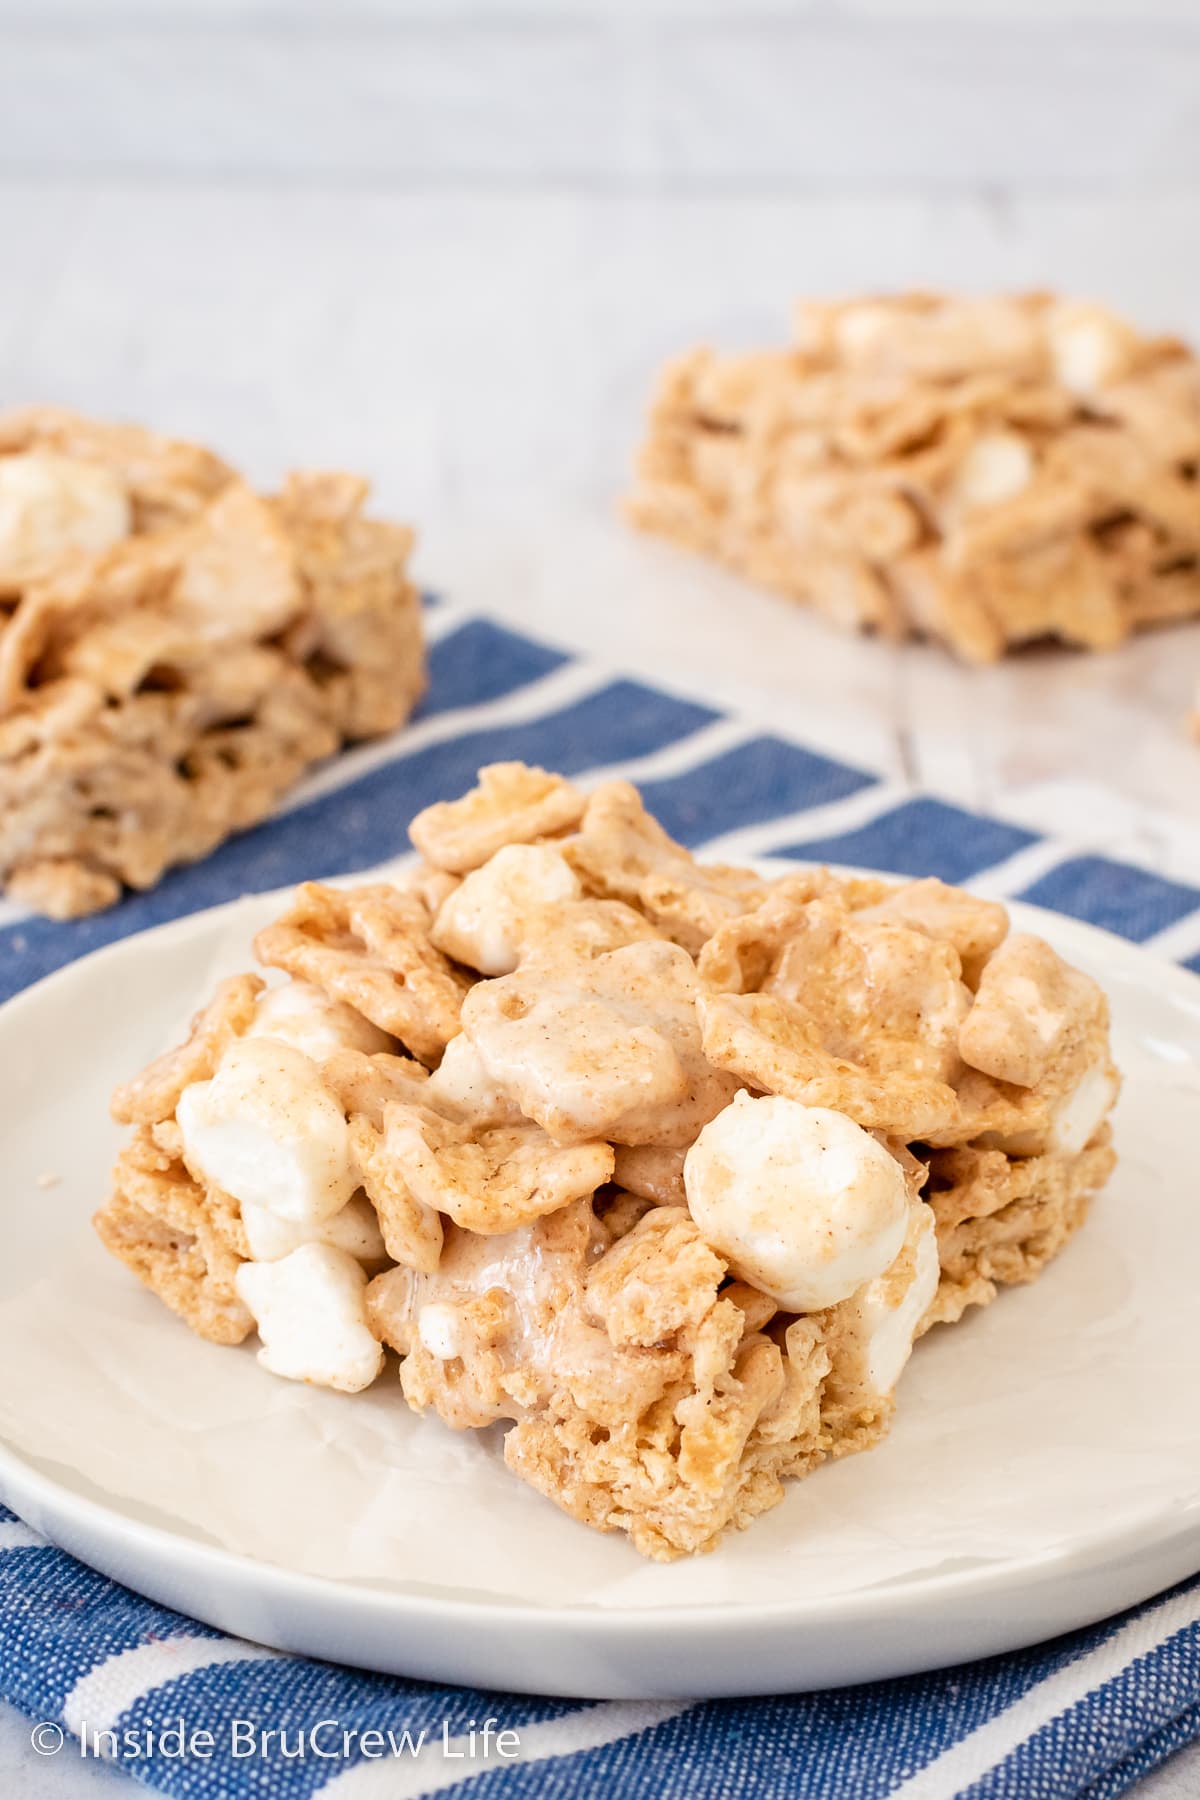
{"x": 480, "y": 662}
{"x": 765, "y": 778}
{"x": 1105, "y": 1727}
{"x": 292, "y": 1698}
{"x": 60, "y": 1620}
{"x": 849, "y": 1742}
{"x": 1129, "y": 901}
{"x": 919, "y": 837}
{"x": 1149, "y": 1754}
{"x": 363, "y": 822}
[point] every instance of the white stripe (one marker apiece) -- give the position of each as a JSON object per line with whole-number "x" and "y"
{"x": 16, "y": 1536}
{"x": 985, "y": 1748}
{"x": 1178, "y": 941}
{"x": 686, "y": 753}
{"x": 830, "y": 820}
{"x": 11, "y": 913}
{"x": 431, "y": 1771}
{"x": 104, "y": 1693}
{"x": 562, "y": 687}
{"x": 438, "y": 622}
{"x": 1022, "y": 868}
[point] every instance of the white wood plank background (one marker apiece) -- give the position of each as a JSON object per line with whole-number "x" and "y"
{"x": 450, "y": 243}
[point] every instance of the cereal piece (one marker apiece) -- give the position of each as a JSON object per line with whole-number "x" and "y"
{"x": 651, "y": 1173}
{"x": 684, "y": 1275}
{"x": 157, "y": 1221}
{"x": 365, "y": 1084}
{"x": 611, "y": 1050}
{"x": 974, "y": 927}
{"x": 512, "y": 804}
{"x": 799, "y": 1201}
{"x": 412, "y": 1232}
{"x": 62, "y": 889}
{"x": 772, "y": 1046}
{"x": 51, "y": 507}
{"x": 622, "y": 853}
{"x": 154, "y": 1094}
{"x": 493, "y": 1179}
{"x": 461, "y": 1088}
{"x": 311, "y": 1316}
{"x": 882, "y": 994}
{"x": 1029, "y": 1004}
{"x": 1000, "y": 1220}
{"x": 370, "y": 947}
{"x": 958, "y": 468}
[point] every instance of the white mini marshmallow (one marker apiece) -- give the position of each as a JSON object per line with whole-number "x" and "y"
{"x": 996, "y": 468}
{"x": 1079, "y": 1114}
{"x": 302, "y": 1015}
{"x": 50, "y": 504}
{"x": 483, "y": 922}
{"x": 1073, "y": 1122}
{"x": 311, "y": 1314}
{"x": 799, "y": 1200}
{"x": 883, "y": 1316}
{"x": 354, "y": 1229}
{"x": 1090, "y": 348}
{"x": 267, "y": 1131}
{"x": 437, "y": 1328}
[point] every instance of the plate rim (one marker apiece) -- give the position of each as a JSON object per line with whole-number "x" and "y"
{"x": 1165, "y": 1535}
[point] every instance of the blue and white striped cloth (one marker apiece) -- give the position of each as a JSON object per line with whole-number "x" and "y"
{"x": 1081, "y": 1718}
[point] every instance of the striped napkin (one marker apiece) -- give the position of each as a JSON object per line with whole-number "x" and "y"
{"x": 1081, "y": 1718}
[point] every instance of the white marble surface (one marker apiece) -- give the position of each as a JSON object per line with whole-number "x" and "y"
{"x": 450, "y": 246}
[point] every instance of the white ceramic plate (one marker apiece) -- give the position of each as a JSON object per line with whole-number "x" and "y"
{"x": 1044, "y": 1469}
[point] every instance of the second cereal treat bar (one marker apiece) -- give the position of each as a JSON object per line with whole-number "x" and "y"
{"x": 176, "y": 649}
{"x": 981, "y": 471}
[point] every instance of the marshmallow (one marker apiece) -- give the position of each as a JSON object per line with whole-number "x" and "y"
{"x": 311, "y": 1314}
{"x": 305, "y": 1017}
{"x": 483, "y": 923}
{"x": 880, "y": 1321}
{"x": 1073, "y": 1120}
{"x": 1090, "y": 348}
{"x": 267, "y": 1131}
{"x": 996, "y": 468}
{"x": 354, "y": 1229}
{"x": 800, "y": 1201}
{"x": 51, "y": 504}
{"x": 1079, "y": 1114}
{"x": 437, "y": 1328}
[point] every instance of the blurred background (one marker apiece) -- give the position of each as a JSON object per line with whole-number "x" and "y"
{"x": 450, "y": 244}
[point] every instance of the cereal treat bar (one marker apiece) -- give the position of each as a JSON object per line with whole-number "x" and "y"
{"x": 661, "y": 1165}
{"x": 983, "y": 471}
{"x": 175, "y": 650}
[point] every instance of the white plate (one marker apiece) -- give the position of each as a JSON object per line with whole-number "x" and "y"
{"x": 1044, "y": 1469}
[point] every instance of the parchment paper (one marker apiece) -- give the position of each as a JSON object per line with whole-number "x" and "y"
{"x": 1066, "y": 1411}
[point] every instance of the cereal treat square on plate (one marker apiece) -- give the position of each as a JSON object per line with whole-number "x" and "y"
{"x": 662, "y": 1166}
{"x": 980, "y": 471}
{"x": 176, "y": 649}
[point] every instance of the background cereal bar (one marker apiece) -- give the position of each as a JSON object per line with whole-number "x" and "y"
{"x": 175, "y": 649}
{"x": 983, "y": 471}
